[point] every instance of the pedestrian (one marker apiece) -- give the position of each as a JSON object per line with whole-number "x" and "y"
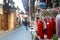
{"x": 26, "y": 23}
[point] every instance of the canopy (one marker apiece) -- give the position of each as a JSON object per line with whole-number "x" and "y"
{"x": 42, "y": 5}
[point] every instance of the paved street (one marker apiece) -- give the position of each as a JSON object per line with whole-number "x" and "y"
{"x": 18, "y": 34}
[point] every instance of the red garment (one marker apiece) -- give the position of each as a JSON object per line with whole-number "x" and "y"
{"x": 53, "y": 26}
{"x": 40, "y": 29}
{"x": 49, "y": 29}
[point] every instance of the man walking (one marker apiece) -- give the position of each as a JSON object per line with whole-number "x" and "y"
{"x": 26, "y": 23}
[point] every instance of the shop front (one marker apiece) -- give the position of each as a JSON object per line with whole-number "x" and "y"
{"x": 11, "y": 21}
{"x": 0, "y": 21}
{"x": 4, "y": 19}
{"x": 1, "y": 13}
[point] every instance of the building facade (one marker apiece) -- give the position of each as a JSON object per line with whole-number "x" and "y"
{"x": 1, "y": 12}
{"x": 18, "y": 21}
{"x": 7, "y": 15}
{"x": 12, "y": 16}
{"x": 32, "y": 9}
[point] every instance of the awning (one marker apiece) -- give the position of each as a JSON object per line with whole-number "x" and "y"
{"x": 42, "y": 5}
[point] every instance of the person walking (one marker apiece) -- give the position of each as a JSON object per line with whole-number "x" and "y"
{"x": 26, "y": 23}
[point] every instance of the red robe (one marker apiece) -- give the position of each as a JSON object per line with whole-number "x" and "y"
{"x": 53, "y": 26}
{"x": 49, "y": 29}
{"x": 40, "y": 29}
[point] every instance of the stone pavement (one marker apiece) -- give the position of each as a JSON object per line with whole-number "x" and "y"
{"x": 19, "y": 34}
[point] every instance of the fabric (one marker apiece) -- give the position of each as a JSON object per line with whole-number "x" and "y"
{"x": 53, "y": 26}
{"x": 58, "y": 25}
{"x": 49, "y": 29}
{"x": 40, "y": 29}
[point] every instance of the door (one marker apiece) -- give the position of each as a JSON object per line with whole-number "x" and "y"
{"x": 5, "y": 21}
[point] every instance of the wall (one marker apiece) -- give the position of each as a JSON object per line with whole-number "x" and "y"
{"x": 9, "y": 20}
{"x": 12, "y": 21}
{"x": 1, "y": 9}
{"x": 1, "y": 12}
{"x": 17, "y": 18}
{"x": 0, "y": 21}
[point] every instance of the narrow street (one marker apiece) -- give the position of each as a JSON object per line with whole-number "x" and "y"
{"x": 42, "y": 17}
{"x": 19, "y": 34}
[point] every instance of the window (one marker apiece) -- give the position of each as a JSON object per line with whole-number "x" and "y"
{"x": 9, "y": 4}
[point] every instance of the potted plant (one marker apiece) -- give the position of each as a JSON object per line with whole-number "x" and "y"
{"x": 55, "y": 37}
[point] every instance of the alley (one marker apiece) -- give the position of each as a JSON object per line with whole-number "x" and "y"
{"x": 42, "y": 17}
{"x": 19, "y": 34}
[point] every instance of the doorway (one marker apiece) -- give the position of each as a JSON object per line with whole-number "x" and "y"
{"x": 5, "y": 21}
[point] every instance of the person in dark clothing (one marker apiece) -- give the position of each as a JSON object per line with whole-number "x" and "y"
{"x": 26, "y": 23}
